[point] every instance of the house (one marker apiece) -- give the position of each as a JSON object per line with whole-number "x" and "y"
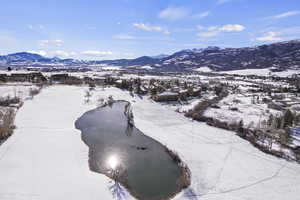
{"x": 100, "y": 80}
{"x": 166, "y": 96}
{"x": 27, "y": 77}
{"x": 59, "y": 77}
{"x": 3, "y": 77}
{"x": 73, "y": 80}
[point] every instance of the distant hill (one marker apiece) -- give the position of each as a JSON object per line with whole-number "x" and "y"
{"x": 141, "y": 61}
{"x": 279, "y": 56}
{"x": 24, "y": 59}
{"x": 161, "y": 56}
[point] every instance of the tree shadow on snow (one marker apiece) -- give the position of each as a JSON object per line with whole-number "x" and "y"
{"x": 118, "y": 192}
{"x": 140, "y": 96}
{"x": 189, "y": 193}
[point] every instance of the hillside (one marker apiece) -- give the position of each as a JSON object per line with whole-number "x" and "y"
{"x": 278, "y": 56}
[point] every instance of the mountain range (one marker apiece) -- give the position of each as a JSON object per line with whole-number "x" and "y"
{"x": 279, "y": 56}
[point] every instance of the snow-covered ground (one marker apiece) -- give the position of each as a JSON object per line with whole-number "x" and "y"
{"x": 187, "y": 107}
{"x": 46, "y": 159}
{"x": 262, "y": 72}
{"x": 247, "y": 111}
{"x": 203, "y": 69}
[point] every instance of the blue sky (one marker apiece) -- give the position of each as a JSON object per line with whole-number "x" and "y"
{"x": 98, "y": 29}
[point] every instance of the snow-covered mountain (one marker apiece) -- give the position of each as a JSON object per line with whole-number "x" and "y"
{"x": 141, "y": 61}
{"x": 160, "y": 56}
{"x": 278, "y": 56}
{"x": 24, "y": 59}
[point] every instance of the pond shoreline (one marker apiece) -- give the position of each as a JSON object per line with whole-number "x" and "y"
{"x": 120, "y": 176}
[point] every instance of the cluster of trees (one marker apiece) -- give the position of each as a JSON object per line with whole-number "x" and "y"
{"x": 7, "y": 101}
{"x": 280, "y": 127}
{"x": 288, "y": 119}
{"x": 132, "y": 85}
{"x": 295, "y": 81}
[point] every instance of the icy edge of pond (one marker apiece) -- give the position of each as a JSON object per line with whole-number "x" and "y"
{"x": 109, "y": 130}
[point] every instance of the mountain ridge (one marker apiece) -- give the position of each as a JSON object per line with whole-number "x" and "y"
{"x": 281, "y": 56}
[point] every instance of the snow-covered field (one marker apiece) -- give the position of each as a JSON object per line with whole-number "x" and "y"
{"x": 262, "y": 72}
{"x": 247, "y": 111}
{"x": 46, "y": 160}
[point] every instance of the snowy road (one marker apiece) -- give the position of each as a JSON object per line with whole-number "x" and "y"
{"x": 46, "y": 160}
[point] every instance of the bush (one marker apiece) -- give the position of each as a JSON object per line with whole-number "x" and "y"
{"x": 7, "y": 101}
{"x": 7, "y": 125}
{"x": 199, "y": 108}
{"x": 234, "y": 109}
{"x": 34, "y": 91}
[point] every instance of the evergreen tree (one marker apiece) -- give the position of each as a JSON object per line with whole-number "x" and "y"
{"x": 185, "y": 85}
{"x": 241, "y": 126}
{"x": 288, "y": 118}
{"x": 285, "y": 136}
{"x": 270, "y": 120}
{"x": 297, "y": 120}
{"x": 153, "y": 91}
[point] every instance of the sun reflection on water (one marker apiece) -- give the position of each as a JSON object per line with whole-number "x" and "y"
{"x": 113, "y": 162}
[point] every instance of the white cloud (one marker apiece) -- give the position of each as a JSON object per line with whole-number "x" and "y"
{"x": 60, "y": 53}
{"x": 147, "y": 27}
{"x": 213, "y": 31}
{"x": 124, "y": 37}
{"x": 201, "y": 15}
{"x": 270, "y": 36}
{"x": 173, "y": 13}
{"x": 232, "y": 27}
{"x": 213, "y": 28}
{"x": 57, "y": 53}
{"x": 226, "y": 28}
{"x": 223, "y": 1}
{"x": 66, "y": 54}
{"x": 56, "y": 43}
{"x": 92, "y": 53}
{"x": 177, "y": 13}
{"x": 200, "y": 27}
{"x": 285, "y": 14}
{"x": 35, "y": 27}
{"x": 42, "y": 53}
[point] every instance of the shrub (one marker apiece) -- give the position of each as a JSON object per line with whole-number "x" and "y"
{"x": 234, "y": 109}
{"x": 198, "y": 109}
{"x": 34, "y": 91}
{"x": 7, "y": 125}
{"x": 7, "y": 101}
